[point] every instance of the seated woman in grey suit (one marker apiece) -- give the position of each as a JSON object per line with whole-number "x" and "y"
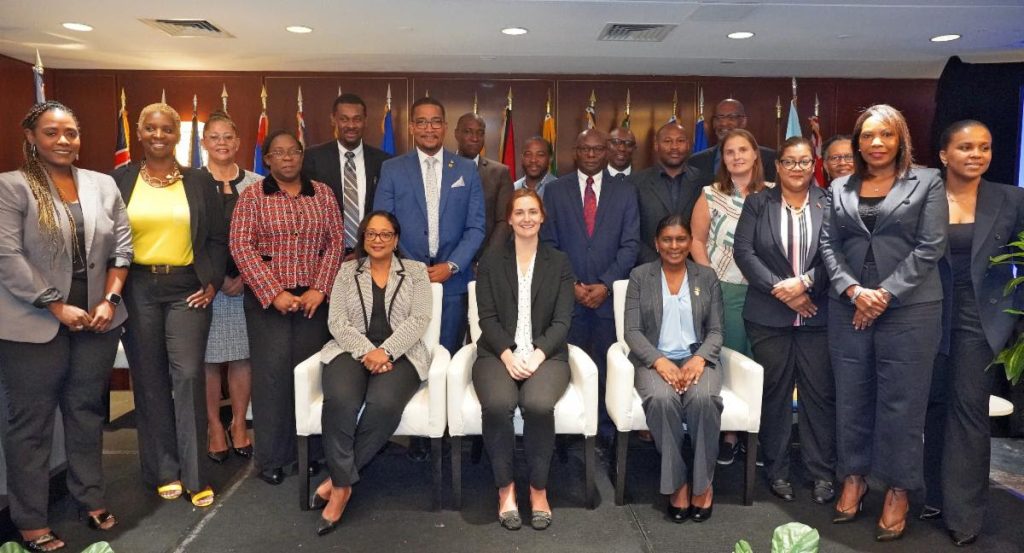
{"x": 525, "y": 299}
{"x": 882, "y": 237}
{"x": 673, "y": 327}
{"x": 380, "y": 308}
{"x": 776, "y": 247}
{"x": 984, "y": 217}
{"x": 64, "y": 253}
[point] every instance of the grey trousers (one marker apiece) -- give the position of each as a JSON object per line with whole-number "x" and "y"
{"x": 71, "y": 371}
{"x": 165, "y": 341}
{"x": 700, "y": 408}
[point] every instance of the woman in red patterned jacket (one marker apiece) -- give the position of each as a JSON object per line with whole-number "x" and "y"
{"x": 287, "y": 239}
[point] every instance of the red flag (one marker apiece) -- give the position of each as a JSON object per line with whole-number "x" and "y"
{"x": 508, "y": 145}
{"x": 122, "y": 152}
{"x": 819, "y": 165}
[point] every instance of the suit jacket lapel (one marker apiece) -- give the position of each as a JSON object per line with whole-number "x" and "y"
{"x": 364, "y": 287}
{"x": 774, "y": 207}
{"x": 395, "y": 278}
{"x": 87, "y": 198}
{"x": 194, "y": 194}
{"x": 127, "y": 184}
{"x": 657, "y": 303}
{"x": 416, "y": 175}
{"x": 540, "y": 266}
{"x": 817, "y": 207}
{"x": 577, "y": 204}
{"x": 607, "y": 193}
{"x": 849, "y": 198}
{"x": 65, "y": 225}
{"x": 334, "y": 172}
{"x": 448, "y": 177}
{"x": 901, "y": 190}
{"x": 698, "y": 297}
{"x": 985, "y": 214}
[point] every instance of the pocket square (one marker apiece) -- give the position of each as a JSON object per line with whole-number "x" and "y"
{"x": 459, "y": 183}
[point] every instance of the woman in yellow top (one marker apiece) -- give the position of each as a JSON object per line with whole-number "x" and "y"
{"x": 180, "y": 241}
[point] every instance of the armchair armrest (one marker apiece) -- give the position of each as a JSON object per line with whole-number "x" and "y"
{"x": 436, "y": 390}
{"x": 619, "y": 387}
{"x": 308, "y": 390}
{"x": 745, "y": 378}
{"x": 583, "y": 375}
{"x": 460, "y": 378}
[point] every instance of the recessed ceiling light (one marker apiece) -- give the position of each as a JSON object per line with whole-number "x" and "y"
{"x": 514, "y": 31}
{"x": 77, "y": 27}
{"x": 945, "y": 38}
{"x": 740, "y": 35}
{"x": 299, "y": 29}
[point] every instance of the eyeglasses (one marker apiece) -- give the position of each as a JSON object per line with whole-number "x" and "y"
{"x": 791, "y": 163}
{"x": 216, "y": 138}
{"x": 591, "y": 149}
{"x": 372, "y": 235}
{"x": 847, "y": 158}
{"x": 620, "y": 142}
{"x": 278, "y": 154}
{"x": 730, "y": 117}
{"x": 435, "y": 123}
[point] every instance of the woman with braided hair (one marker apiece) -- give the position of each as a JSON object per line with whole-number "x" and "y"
{"x": 65, "y": 248}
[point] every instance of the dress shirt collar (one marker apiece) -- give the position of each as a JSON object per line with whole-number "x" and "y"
{"x": 270, "y": 186}
{"x": 439, "y": 156}
{"x": 358, "y": 150}
{"x": 615, "y": 172}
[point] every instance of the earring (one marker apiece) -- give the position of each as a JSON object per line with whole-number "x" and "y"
{"x": 33, "y": 151}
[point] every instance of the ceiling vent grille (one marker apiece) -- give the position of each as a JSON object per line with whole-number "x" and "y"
{"x": 188, "y": 28}
{"x": 635, "y": 32}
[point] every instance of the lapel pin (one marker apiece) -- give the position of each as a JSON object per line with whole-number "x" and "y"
{"x": 451, "y": 163}
{"x": 696, "y": 291}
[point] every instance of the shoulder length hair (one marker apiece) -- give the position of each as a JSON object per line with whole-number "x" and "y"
{"x": 892, "y": 118}
{"x": 723, "y": 180}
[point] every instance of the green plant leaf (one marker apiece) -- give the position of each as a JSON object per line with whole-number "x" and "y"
{"x": 99, "y": 547}
{"x": 742, "y": 547}
{"x": 1012, "y": 285}
{"x": 795, "y": 537}
{"x": 12, "y": 547}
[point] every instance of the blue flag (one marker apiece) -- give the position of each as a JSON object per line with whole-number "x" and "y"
{"x": 793, "y": 124}
{"x": 700, "y": 138}
{"x": 195, "y": 156}
{"x": 388, "y": 144}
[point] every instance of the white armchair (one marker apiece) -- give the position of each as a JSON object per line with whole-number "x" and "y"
{"x": 742, "y": 386}
{"x": 575, "y": 412}
{"x": 425, "y": 414}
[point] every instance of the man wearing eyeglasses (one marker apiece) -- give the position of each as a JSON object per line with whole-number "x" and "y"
{"x": 621, "y": 145}
{"x": 436, "y": 195}
{"x": 596, "y": 223}
{"x": 729, "y": 114}
{"x": 495, "y": 178}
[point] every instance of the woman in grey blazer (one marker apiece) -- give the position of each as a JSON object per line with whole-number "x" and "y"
{"x": 882, "y": 237}
{"x": 673, "y": 327}
{"x": 380, "y": 308}
{"x": 65, "y": 246}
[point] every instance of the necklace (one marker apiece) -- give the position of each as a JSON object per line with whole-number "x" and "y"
{"x": 161, "y": 182}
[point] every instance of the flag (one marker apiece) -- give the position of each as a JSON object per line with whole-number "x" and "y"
{"x": 508, "y": 140}
{"x": 548, "y": 132}
{"x": 388, "y": 144}
{"x": 675, "y": 107}
{"x": 122, "y": 152}
{"x": 819, "y": 166}
{"x": 625, "y": 121}
{"x": 195, "y": 157}
{"x": 590, "y": 114}
{"x": 37, "y": 73}
{"x": 700, "y": 137}
{"x": 793, "y": 124}
{"x": 300, "y": 129}
{"x": 261, "y": 135}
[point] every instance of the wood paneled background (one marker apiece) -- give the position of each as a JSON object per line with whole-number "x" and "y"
{"x": 94, "y": 95}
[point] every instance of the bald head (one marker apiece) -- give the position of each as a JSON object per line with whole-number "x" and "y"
{"x": 729, "y": 114}
{"x": 672, "y": 147}
{"x": 591, "y": 151}
{"x": 470, "y": 132}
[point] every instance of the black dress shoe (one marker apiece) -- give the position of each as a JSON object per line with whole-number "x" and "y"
{"x": 324, "y": 526}
{"x": 418, "y": 450}
{"x": 218, "y": 456}
{"x": 930, "y": 513}
{"x": 272, "y": 476}
{"x": 678, "y": 515}
{"x": 962, "y": 539}
{"x": 700, "y": 514}
{"x": 823, "y": 492}
{"x": 317, "y": 503}
{"x": 782, "y": 489}
{"x": 727, "y": 453}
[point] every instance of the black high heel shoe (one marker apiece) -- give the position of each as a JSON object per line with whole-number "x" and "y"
{"x": 677, "y": 515}
{"x": 844, "y": 516}
{"x": 317, "y": 503}
{"x": 244, "y": 451}
{"x": 324, "y": 526}
{"x": 220, "y": 456}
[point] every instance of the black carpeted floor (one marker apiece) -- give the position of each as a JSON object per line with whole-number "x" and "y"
{"x": 390, "y": 511}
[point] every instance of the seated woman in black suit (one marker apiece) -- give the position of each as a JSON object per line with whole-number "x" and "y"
{"x": 776, "y": 248}
{"x": 381, "y": 306}
{"x": 525, "y": 300}
{"x": 984, "y": 217}
{"x": 673, "y": 327}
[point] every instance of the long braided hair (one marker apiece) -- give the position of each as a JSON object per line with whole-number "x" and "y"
{"x": 39, "y": 183}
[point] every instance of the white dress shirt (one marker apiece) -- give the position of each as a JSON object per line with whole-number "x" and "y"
{"x": 524, "y": 322}
{"x": 583, "y": 185}
{"x": 615, "y": 172}
{"x": 360, "y": 174}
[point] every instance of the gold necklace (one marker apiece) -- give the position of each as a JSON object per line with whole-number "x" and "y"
{"x": 160, "y": 182}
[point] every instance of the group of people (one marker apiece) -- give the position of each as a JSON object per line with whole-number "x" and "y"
{"x": 855, "y": 295}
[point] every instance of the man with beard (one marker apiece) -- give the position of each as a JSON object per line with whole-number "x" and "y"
{"x": 536, "y": 161}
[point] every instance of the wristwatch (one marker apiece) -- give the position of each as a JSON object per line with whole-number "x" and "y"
{"x": 390, "y": 356}
{"x": 114, "y": 299}
{"x": 453, "y": 267}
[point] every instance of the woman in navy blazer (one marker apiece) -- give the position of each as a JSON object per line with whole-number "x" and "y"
{"x": 785, "y": 312}
{"x": 882, "y": 237}
{"x": 984, "y": 217}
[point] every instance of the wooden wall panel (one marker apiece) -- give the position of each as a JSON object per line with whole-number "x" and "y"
{"x": 93, "y": 97}
{"x": 914, "y": 97}
{"x": 17, "y": 94}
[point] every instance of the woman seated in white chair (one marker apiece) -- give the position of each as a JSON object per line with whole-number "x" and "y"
{"x": 673, "y": 327}
{"x": 524, "y": 295}
{"x": 380, "y": 309}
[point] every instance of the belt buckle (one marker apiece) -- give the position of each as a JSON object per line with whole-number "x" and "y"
{"x": 160, "y": 269}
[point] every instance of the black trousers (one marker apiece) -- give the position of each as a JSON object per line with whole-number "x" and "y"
{"x": 536, "y": 397}
{"x": 351, "y": 441}
{"x": 277, "y": 343}
{"x": 71, "y": 371}
{"x": 957, "y": 430}
{"x": 165, "y": 341}
{"x": 796, "y": 355}
{"x": 882, "y": 376}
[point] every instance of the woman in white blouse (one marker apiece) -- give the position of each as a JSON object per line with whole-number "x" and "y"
{"x": 525, "y": 300}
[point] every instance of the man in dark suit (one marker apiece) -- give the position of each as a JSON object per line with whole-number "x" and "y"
{"x": 729, "y": 114}
{"x": 470, "y": 132}
{"x": 621, "y": 145}
{"x": 437, "y": 197}
{"x": 667, "y": 187}
{"x": 596, "y": 223}
{"x": 349, "y": 166}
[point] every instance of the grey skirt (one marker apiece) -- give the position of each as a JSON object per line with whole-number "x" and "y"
{"x": 228, "y": 339}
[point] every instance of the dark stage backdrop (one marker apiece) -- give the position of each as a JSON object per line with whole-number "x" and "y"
{"x": 94, "y": 95}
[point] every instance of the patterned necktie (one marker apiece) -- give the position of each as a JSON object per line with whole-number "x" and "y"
{"x": 433, "y": 194}
{"x": 590, "y": 207}
{"x": 351, "y": 201}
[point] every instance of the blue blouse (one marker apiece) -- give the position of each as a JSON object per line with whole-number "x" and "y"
{"x": 677, "y": 333}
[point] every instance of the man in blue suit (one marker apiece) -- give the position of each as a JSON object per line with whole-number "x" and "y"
{"x": 438, "y": 199}
{"x": 597, "y": 224}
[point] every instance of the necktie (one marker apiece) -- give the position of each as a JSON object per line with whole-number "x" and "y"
{"x": 351, "y": 201}
{"x": 433, "y": 195}
{"x": 590, "y": 207}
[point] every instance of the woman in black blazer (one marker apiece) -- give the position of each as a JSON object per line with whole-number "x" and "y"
{"x": 882, "y": 237}
{"x": 776, "y": 248}
{"x": 524, "y": 295}
{"x": 984, "y": 217}
{"x": 180, "y": 242}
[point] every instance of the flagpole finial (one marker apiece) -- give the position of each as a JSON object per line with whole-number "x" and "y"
{"x": 700, "y": 102}
{"x": 510, "y": 97}
{"x": 339, "y": 90}
{"x": 778, "y": 107}
{"x": 675, "y": 103}
{"x": 39, "y": 61}
{"x": 122, "y": 99}
{"x": 195, "y": 103}
{"x": 263, "y": 97}
{"x": 299, "y": 99}
{"x": 476, "y": 108}
{"x": 593, "y": 98}
{"x": 389, "y": 97}
{"x": 817, "y": 105}
{"x": 427, "y": 93}
{"x": 163, "y": 96}
{"x": 627, "y": 102}
{"x": 794, "y": 87}
{"x": 548, "y": 106}
{"x": 224, "y": 98}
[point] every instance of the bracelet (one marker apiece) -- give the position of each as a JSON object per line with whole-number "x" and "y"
{"x": 807, "y": 281}
{"x": 856, "y": 294}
